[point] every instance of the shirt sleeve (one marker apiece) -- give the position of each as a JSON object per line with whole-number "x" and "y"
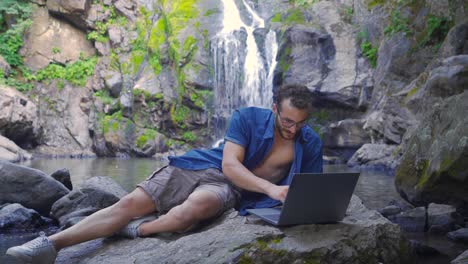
{"x": 313, "y": 162}
{"x": 237, "y": 131}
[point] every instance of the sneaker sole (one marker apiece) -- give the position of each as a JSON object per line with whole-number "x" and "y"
{"x": 18, "y": 255}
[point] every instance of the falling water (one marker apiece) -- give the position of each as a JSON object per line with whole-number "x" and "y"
{"x": 242, "y": 76}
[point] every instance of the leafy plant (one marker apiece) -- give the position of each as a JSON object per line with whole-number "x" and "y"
{"x": 397, "y": 24}
{"x": 437, "y": 29}
{"x": 370, "y": 53}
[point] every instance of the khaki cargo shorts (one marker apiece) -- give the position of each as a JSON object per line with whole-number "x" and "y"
{"x": 171, "y": 186}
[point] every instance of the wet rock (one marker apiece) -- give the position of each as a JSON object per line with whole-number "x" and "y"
{"x": 390, "y": 210}
{"x": 63, "y": 176}
{"x": 364, "y": 236}
{"x": 94, "y": 194}
{"x": 461, "y": 259}
{"x": 422, "y": 249}
{"x": 413, "y": 220}
{"x": 442, "y": 218}
{"x": 29, "y": 187}
{"x": 460, "y": 235}
{"x": 374, "y": 156}
{"x": 433, "y": 165}
{"x": 17, "y": 217}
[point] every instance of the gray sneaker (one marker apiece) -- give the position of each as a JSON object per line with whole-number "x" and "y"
{"x": 131, "y": 230}
{"x": 39, "y": 250}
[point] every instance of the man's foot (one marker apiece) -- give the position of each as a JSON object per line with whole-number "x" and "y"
{"x": 131, "y": 230}
{"x": 39, "y": 250}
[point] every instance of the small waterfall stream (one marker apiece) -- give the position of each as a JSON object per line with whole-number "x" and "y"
{"x": 243, "y": 70}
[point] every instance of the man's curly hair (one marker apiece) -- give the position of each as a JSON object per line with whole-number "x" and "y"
{"x": 301, "y": 97}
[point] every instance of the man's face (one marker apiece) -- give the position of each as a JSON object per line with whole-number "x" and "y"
{"x": 289, "y": 119}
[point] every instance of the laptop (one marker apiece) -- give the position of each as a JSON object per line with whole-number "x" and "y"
{"x": 313, "y": 198}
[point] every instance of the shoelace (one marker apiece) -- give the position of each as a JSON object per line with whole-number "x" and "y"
{"x": 39, "y": 241}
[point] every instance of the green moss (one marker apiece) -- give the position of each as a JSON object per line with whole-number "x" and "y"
{"x": 211, "y": 12}
{"x": 296, "y": 16}
{"x": 179, "y": 114}
{"x": 436, "y": 30}
{"x": 149, "y": 134}
{"x": 374, "y": 3}
{"x": 422, "y": 171}
{"x": 276, "y": 18}
{"x": 412, "y": 92}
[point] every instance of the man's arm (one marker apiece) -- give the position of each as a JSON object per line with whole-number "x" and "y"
{"x": 233, "y": 155}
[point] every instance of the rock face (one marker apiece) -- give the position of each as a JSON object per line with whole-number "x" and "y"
{"x": 363, "y": 236}
{"x": 433, "y": 167}
{"x": 18, "y": 118}
{"x": 51, "y": 40}
{"x": 29, "y": 187}
{"x": 9, "y": 151}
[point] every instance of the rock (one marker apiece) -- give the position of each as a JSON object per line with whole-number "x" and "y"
{"x": 74, "y": 11}
{"x": 390, "y": 210}
{"x": 103, "y": 49}
{"x": 19, "y": 120}
{"x": 4, "y": 67}
{"x": 433, "y": 165}
{"x": 413, "y": 220}
{"x": 15, "y": 216}
{"x": 460, "y": 235}
{"x": 461, "y": 259}
{"x": 346, "y": 134}
{"x": 442, "y": 218}
{"x": 113, "y": 82}
{"x": 9, "y": 151}
{"x": 127, "y": 7}
{"x": 49, "y": 39}
{"x": 422, "y": 249}
{"x": 374, "y": 156}
{"x": 93, "y": 195}
{"x": 454, "y": 43}
{"x": 29, "y": 187}
{"x": 65, "y": 121}
{"x": 363, "y": 236}
{"x": 63, "y": 176}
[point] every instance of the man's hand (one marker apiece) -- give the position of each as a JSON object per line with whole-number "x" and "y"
{"x": 278, "y": 192}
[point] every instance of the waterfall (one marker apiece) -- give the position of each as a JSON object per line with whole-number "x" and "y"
{"x": 243, "y": 71}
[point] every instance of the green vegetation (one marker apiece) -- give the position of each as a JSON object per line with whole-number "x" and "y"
{"x": 370, "y": 53}
{"x": 302, "y": 3}
{"x": 437, "y": 29}
{"x": 188, "y": 136}
{"x": 76, "y": 73}
{"x": 374, "y": 3}
{"x": 276, "y": 18}
{"x": 179, "y": 114}
{"x": 104, "y": 97}
{"x": 296, "y": 16}
{"x": 100, "y": 32}
{"x": 211, "y": 12}
{"x": 149, "y": 134}
{"x": 110, "y": 122}
{"x": 397, "y": 24}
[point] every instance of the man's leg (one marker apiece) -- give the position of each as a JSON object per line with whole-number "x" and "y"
{"x": 200, "y": 205}
{"x": 106, "y": 221}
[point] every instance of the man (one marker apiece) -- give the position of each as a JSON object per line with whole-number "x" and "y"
{"x": 252, "y": 169}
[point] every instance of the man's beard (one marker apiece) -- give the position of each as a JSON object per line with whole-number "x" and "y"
{"x": 281, "y": 131}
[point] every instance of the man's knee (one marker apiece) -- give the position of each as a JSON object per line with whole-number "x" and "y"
{"x": 202, "y": 205}
{"x": 132, "y": 203}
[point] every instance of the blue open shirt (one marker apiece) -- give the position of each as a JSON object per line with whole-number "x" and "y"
{"x": 253, "y": 129}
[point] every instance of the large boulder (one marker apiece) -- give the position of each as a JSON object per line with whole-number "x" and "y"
{"x": 29, "y": 187}
{"x": 364, "y": 236}
{"x": 19, "y": 118}
{"x": 380, "y": 156}
{"x": 74, "y": 11}
{"x": 9, "y": 151}
{"x": 52, "y": 40}
{"x": 17, "y": 217}
{"x": 433, "y": 166}
{"x": 94, "y": 194}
